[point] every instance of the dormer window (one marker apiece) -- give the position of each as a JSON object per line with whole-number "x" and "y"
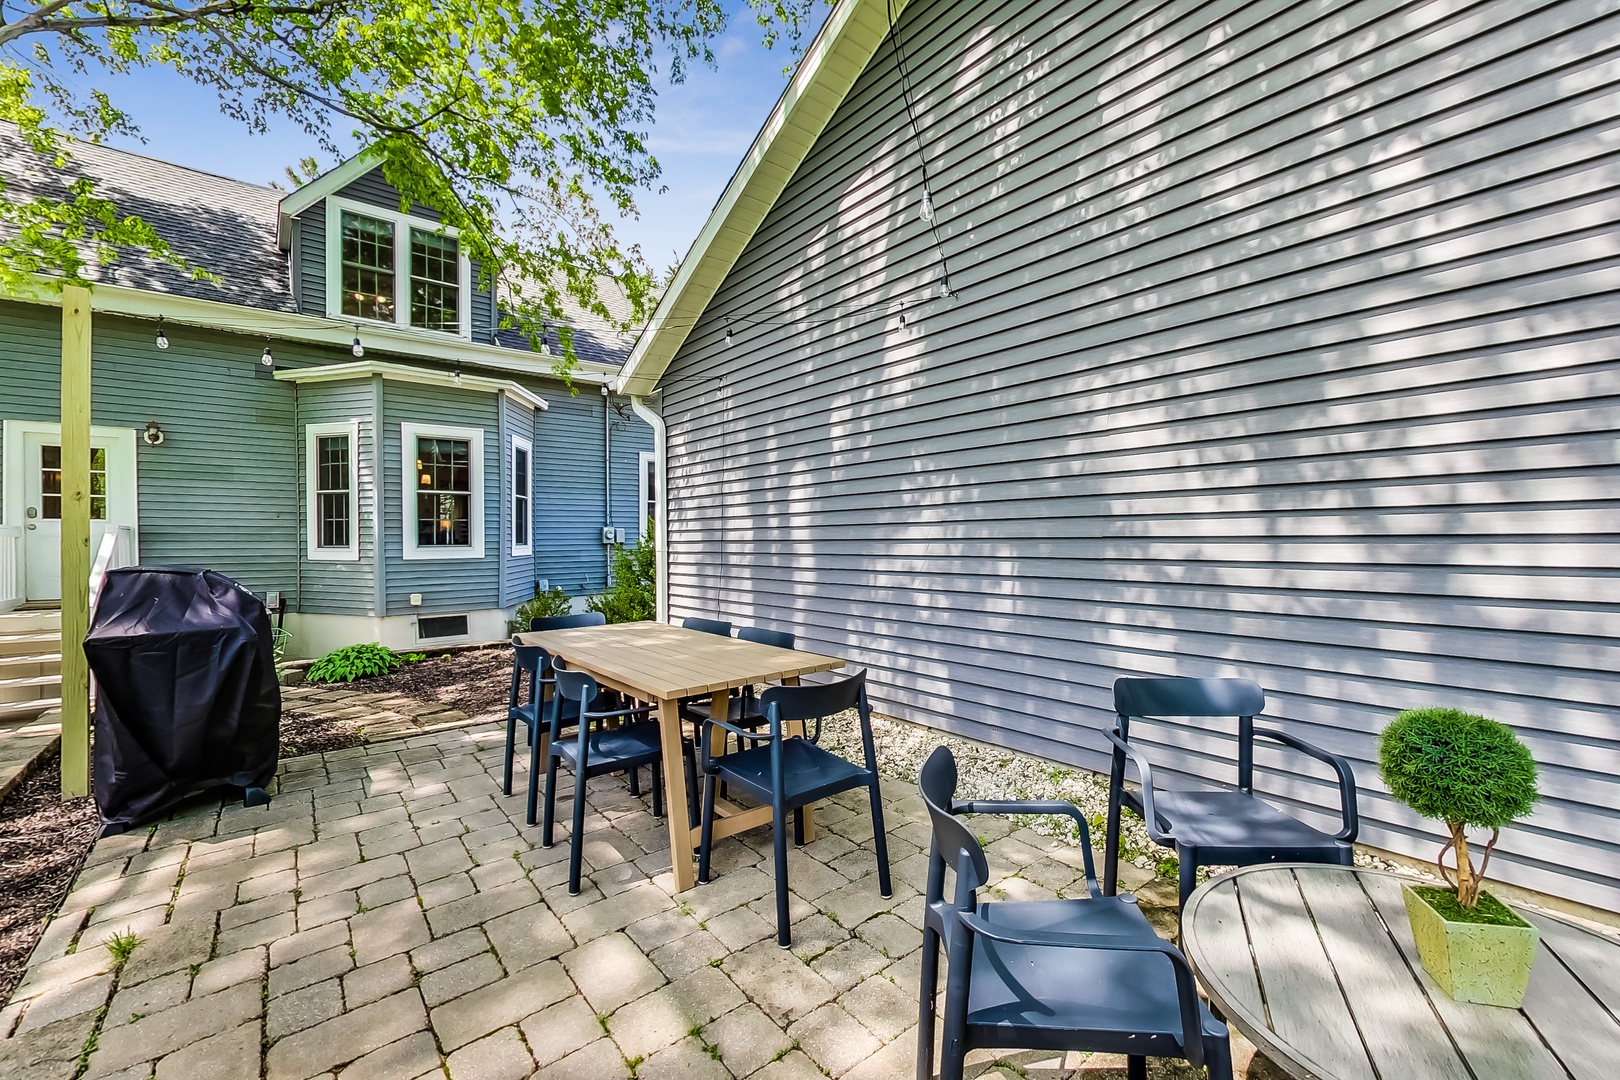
{"x": 376, "y": 253}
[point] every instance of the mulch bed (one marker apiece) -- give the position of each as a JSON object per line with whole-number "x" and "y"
{"x": 476, "y": 681}
{"x": 43, "y": 840}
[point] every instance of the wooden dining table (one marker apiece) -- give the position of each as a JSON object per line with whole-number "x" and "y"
{"x": 663, "y": 664}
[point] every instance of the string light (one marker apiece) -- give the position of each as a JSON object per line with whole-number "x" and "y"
{"x": 926, "y": 209}
{"x": 728, "y": 332}
{"x": 455, "y": 376}
{"x": 545, "y": 339}
{"x": 162, "y": 338}
{"x": 358, "y": 349}
{"x": 268, "y": 360}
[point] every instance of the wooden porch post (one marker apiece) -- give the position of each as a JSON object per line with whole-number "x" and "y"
{"x": 75, "y": 540}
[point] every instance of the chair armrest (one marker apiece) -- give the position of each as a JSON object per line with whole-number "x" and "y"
{"x": 703, "y": 740}
{"x": 1347, "y": 778}
{"x": 1032, "y": 806}
{"x": 619, "y": 714}
{"x": 1149, "y": 817}
{"x": 1192, "y": 1028}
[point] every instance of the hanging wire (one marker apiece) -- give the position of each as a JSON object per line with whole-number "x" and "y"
{"x": 927, "y": 209}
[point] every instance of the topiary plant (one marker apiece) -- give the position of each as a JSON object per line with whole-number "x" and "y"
{"x": 1464, "y": 770}
{"x": 354, "y": 662}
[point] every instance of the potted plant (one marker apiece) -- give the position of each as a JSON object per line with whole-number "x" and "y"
{"x": 1467, "y": 771}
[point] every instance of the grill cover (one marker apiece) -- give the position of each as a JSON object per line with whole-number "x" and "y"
{"x": 187, "y": 697}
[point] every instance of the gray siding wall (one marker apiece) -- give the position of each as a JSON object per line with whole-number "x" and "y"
{"x": 1283, "y": 346}
{"x": 309, "y": 239}
{"x": 222, "y": 490}
{"x": 449, "y": 585}
{"x": 341, "y": 588}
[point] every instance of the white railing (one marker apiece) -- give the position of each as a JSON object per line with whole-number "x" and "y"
{"x": 117, "y": 549}
{"x": 11, "y": 566}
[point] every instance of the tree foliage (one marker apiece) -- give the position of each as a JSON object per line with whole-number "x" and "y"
{"x": 523, "y": 121}
{"x": 1462, "y": 769}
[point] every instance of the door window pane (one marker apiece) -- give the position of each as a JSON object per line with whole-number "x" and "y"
{"x": 435, "y": 281}
{"x": 443, "y": 492}
{"x": 368, "y": 267}
{"x": 333, "y": 480}
{"x": 50, "y": 483}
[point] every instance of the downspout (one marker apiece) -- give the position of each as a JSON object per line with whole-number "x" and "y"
{"x": 607, "y": 477}
{"x": 661, "y": 505}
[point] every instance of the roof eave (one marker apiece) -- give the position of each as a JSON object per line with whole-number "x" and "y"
{"x": 832, "y": 63}
{"x": 329, "y": 182}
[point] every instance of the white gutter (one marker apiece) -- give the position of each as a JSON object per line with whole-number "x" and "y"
{"x": 661, "y": 505}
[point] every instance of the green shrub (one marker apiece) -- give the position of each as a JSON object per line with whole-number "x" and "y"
{"x": 354, "y": 662}
{"x": 1464, "y": 770}
{"x": 545, "y": 605}
{"x": 633, "y": 596}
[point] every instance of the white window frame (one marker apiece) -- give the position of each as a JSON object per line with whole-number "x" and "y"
{"x": 403, "y": 223}
{"x": 408, "y": 434}
{"x": 646, "y": 459}
{"x": 312, "y": 538}
{"x": 520, "y": 443}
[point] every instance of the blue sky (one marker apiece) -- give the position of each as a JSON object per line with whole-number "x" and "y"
{"x": 701, "y": 129}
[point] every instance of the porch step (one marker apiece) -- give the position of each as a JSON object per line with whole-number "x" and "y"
{"x": 31, "y": 642}
{"x": 27, "y": 710}
{"x": 29, "y": 688}
{"x": 30, "y": 621}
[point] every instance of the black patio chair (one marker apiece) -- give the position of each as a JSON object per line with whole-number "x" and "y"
{"x": 743, "y": 709}
{"x": 718, "y": 627}
{"x": 789, "y": 772}
{"x": 594, "y": 750}
{"x": 567, "y": 622}
{"x": 1084, "y": 974}
{"x": 1227, "y": 827}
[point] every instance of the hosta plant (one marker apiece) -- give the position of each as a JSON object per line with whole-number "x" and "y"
{"x": 354, "y": 662}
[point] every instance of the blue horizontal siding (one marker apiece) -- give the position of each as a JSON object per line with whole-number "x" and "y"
{"x": 341, "y": 588}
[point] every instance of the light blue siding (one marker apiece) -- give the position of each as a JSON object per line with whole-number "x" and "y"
{"x": 447, "y": 585}
{"x": 341, "y": 588}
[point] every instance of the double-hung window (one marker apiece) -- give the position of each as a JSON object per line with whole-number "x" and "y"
{"x": 378, "y": 254}
{"x": 443, "y": 495}
{"x": 332, "y": 480}
{"x": 522, "y": 496}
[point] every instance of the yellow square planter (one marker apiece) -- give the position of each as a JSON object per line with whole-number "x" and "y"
{"x": 1481, "y": 962}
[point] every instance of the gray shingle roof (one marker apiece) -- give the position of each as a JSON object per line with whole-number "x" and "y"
{"x": 222, "y": 225}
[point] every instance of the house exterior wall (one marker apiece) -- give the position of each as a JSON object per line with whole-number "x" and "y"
{"x": 341, "y": 588}
{"x": 1283, "y": 346}
{"x": 309, "y": 252}
{"x": 221, "y": 489}
{"x": 517, "y": 578}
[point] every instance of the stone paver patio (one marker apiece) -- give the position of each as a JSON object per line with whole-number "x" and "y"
{"x": 391, "y": 917}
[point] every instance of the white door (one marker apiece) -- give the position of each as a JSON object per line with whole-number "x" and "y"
{"x": 42, "y": 504}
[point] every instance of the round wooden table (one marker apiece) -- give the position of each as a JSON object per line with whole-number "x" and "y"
{"x": 1316, "y": 965}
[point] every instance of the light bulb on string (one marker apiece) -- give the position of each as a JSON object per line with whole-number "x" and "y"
{"x": 545, "y": 339}
{"x": 358, "y": 349}
{"x": 925, "y": 209}
{"x": 162, "y": 338}
{"x": 456, "y": 377}
{"x": 268, "y": 359}
{"x": 728, "y": 332}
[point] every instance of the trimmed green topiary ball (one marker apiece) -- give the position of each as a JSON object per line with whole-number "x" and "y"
{"x": 1457, "y": 767}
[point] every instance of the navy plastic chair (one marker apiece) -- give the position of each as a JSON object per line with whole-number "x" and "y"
{"x": 567, "y": 622}
{"x": 594, "y": 750}
{"x": 707, "y": 626}
{"x": 535, "y": 663}
{"x": 743, "y": 710}
{"x": 1086, "y": 974}
{"x": 791, "y": 772}
{"x": 1229, "y": 827}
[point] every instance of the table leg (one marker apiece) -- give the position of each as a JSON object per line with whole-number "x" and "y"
{"x": 675, "y": 795}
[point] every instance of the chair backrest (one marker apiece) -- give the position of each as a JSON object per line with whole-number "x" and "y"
{"x": 530, "y": 659}
{"x": 575, "y": 686}
{"x": 567, "y": 622}
{"x": 955, "y": 847}
{"x": 1172, "y": 697}
{"x": 781, "y": 639}
{"x": 718, "y": 627}
{"x": 815, "y": 702}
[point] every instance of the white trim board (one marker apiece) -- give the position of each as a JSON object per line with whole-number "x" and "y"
{"x": 403, "y": 373}
{"x": 516, "y": 442}
{"x": 409, "y": 549}
{"x": 312, "y": 549}
{"x": 260, "y": 323}
{"x": 333, "y": 180}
